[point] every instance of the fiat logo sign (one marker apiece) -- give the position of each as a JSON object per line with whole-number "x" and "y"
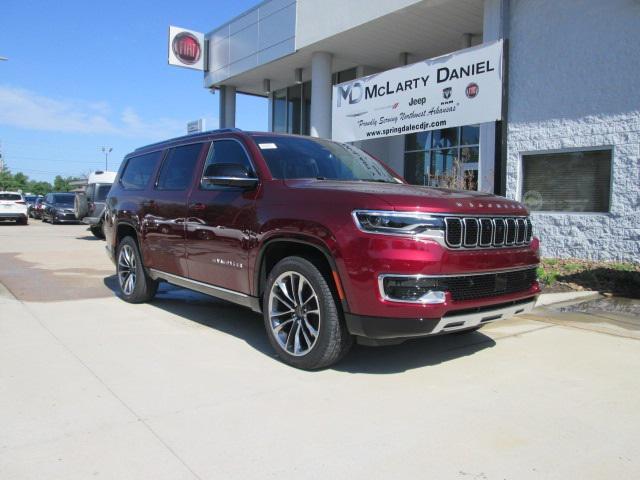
{"x": 186, "y": 48}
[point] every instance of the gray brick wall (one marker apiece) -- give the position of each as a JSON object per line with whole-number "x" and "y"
{"x": 573, "y": 73}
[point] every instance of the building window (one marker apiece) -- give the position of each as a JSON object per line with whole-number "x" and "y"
{"x": 280, "y": 110}
{"x": 578, "y": 181}
{"x": 443, "y": 158}
{"x": 291, "y": 111}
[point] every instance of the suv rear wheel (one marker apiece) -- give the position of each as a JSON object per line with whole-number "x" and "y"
{"x": 302, "y": 317}
{"x": 135, "y": 285}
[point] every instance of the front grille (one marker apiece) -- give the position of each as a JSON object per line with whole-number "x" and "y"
{"x": 485, "y": 232}
{"x": 471, "y": 287}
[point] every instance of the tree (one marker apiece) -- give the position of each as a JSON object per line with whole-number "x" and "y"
{"x": 20, "y": 181}
{"x": 61, "y": 184}
{"x": 39, "y": 188}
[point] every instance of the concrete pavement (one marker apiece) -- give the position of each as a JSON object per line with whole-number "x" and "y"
{"x": 187, "y": 387}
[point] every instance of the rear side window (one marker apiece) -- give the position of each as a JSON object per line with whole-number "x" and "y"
{"x": 177, "y": 169}
{"x": 138, "y": 171}
{"x": 10, "y": 196}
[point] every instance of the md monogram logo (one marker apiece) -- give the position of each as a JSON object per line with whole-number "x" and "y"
{"x": 352, "y": 92}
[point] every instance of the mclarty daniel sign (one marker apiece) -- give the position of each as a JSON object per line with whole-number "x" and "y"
{"x": 461, "y": 88}
{"x": 186, "y": 48}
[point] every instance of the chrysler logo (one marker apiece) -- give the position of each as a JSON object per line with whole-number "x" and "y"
{"x": 186, "y": 48}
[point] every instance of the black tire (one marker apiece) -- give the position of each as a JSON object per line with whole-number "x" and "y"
{"x": 80, "y": 205}
{"x": 97, "y": 231}
{"x": 144, "y": 287}
{"x": 332, "y": 339}
{"x": 23, "y": 221}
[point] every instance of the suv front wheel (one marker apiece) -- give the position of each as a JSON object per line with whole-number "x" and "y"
{"x": 135, "y": 285}
{"x": 302, "y": 317}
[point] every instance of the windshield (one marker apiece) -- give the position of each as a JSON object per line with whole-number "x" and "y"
{"x": 101, "y": 192}
{"x": 63, "y": 199}
{"x": 303, "y": 157}
{"x": 30, "y": 198}
{"x": 10, "y": 196}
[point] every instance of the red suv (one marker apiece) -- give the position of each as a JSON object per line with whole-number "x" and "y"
{"x": 328, "y": 243}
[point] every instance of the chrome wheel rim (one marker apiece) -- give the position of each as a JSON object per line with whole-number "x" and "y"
{"x": 127, "y": 269}
{"x": 294, "y": 313}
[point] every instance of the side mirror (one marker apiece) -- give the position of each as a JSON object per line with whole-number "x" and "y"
{"x": 230, "y": 175}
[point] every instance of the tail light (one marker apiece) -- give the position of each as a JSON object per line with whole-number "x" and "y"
{"x": 20, "y": 202}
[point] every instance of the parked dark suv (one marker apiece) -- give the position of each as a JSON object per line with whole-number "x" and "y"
{"x": 328, "y": 243}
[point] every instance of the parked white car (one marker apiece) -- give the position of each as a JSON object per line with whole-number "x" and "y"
{"x": 13, "y": 207}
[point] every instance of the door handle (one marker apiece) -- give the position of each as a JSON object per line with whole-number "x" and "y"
{"x": 198, "y": 206}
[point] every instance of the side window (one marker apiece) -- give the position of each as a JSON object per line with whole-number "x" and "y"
{"x": 177, "y": 169}
{"x": 138, "y": 171}
{"x": 225, "y": 151}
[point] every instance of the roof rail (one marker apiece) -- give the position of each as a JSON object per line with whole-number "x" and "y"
{"x": 190, "y": 136}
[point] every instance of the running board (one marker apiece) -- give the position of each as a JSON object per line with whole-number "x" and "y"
{"x": 208, "y": 289}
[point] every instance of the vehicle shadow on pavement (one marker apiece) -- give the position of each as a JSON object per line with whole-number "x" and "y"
{"x": 416, "y": 353}
{"x": 248, "y": 326}
{"x": 90, "y": 238}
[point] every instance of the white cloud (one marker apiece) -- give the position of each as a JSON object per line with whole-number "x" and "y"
{"x": 26, "y": 109}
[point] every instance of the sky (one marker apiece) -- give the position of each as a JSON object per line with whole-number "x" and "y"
{"x": 86, "y": 74}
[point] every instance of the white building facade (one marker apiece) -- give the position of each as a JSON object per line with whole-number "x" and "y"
{"x": 568, "y": 141}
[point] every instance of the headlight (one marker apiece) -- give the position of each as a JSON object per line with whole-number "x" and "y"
{"x": 399, "y": 223}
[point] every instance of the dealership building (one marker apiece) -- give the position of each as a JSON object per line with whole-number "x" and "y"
{"x": 536, "y": 100}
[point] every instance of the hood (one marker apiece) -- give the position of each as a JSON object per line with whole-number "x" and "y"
{"x": 405, "y": 197}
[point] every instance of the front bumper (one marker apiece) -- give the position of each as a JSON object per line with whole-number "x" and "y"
{"x": 380, "y": 328}
{"x": 64, "y": 217}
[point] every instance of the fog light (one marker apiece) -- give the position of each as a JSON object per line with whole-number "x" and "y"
{"x": 433, "y": 296}
{"x": 412, "y": 289}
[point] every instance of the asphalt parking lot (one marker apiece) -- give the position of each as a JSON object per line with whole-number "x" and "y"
{"x": 188, "y": 387}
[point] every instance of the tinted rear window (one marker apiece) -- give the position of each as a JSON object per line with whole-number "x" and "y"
{"x": 10, "y": 196}
{"x": 63, "y": 198}
{"x": 101, "y": 192}
{"x": 138, "y": 171}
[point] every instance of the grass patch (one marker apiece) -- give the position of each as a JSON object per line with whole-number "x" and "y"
{"x": 617, "y": 278}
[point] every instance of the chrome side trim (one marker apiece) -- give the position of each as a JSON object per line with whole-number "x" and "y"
{"x": 208, "y": 289}
{"x": 170, "y": 276}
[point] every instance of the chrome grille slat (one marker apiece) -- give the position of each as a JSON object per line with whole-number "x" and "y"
{"x": 511, "y": 232}
{"x": 487, "y": 232}
{"x": 471, "y": 231}
{"x": 522, "y": 231}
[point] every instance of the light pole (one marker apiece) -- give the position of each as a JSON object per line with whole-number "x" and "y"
{"x": 106, "y": 151}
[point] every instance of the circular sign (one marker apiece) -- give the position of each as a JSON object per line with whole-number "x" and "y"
{"x": 472, "y": 90}
{"x": 186, "y": 48}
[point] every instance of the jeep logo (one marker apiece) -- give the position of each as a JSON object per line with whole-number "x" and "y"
{"x": 352, "y": 92}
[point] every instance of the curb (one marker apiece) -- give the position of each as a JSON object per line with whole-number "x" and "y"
{"x": 551, "y": 298}
{"x": 5, "y": 293}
